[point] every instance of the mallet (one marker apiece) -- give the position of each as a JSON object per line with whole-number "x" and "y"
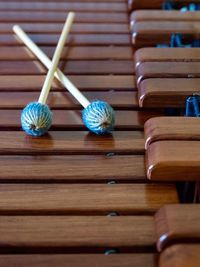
{"x": 36, "y": 117}
{"x": 98, "y": 116}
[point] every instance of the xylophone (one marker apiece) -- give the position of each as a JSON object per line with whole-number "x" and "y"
{"x": 72, "y": 198}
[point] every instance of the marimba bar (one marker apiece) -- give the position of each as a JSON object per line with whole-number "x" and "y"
{"x": 157, "y": 4}
{"x": 180, "y": 255}
{"x": 150, "y": 29}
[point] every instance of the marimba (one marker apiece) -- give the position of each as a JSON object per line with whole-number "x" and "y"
{"x": 71, "y": 198}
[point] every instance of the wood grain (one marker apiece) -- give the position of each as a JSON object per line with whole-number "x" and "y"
{"x": 51, "y": 199}
{"x": 166, "y": 92}
{"x": 104, "y": 67}
{"x": 71, "y": 119}
{"x": 167, "y": 70}
{"x": 69, "y": 53}
{"x": 180, "y": 255}
{"x": 63, "y": 100}
{"x": 171, "y": 128}
{"x": 72, "y": 40}
{"x": 173, "y": 160}
{"x": 176, "y": 224}
{"x": 77, "y": 234}
{"x": 71, "y": 142}
{"x": 80, "y": 260}
{"x": 45, "y": 27}
{"x": 83, "y": 82}
{"x": 151, "y": 33}
{"x": 151, "y": 54}
{"x": 163, "y": 15}
{"x": 84, "y": 168}
{"x": 40, "y": 16}
{"x": 63, "y": 6}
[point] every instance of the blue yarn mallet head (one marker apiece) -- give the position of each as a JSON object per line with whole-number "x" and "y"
{"x": 36, "y": 119}
{"x": 99, "y": 117}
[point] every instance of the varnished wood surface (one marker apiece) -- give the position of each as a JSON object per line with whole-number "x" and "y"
{"x": 173, "y": 160}
{"x": 73, "y": 39}
{"x": 99, "y": 199}
{"x": 80, "y": 260}
{"x": 163, "y": 15}
{"x": 64, "y": 100}
{"x": 68, "y": 67}
{"x": 166, "y": 92}
{"x": 83, "y": 168}
{"x": 40, "y": 16}
{"x": 184, "y": 255}
{"x": 83, "y": 82}
{"x": 151, "y": 33}
{"x": 177, "y": 224}
{"x": 63, "y": 6}
{"x": 71, "y": 119}
{"x": 171, "y": 128}
{"x": 71, "y": 142}
{"x": 151, "y": 54}
{"x": 167, "y": 70}
{"x": 45, "y": 27}
{"x": 70, "y": 53}
{"x": 76, "y": 233}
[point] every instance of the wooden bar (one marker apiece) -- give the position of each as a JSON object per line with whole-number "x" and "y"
{"x": 62, "y": 6}
{"x": 73, "y": 39}
{"x": 136, "y": 4}
{"x": 72, "y": 120}
{"x": 70, "y": 53}
{"x": 176, "y": 224}
{"x": 99, "y": 199}
{"x": 40, "y": 16}
{"x": 91, "y": 168}
{"x": 83, "y": 82}
{"x": 152, "y": 33}
{"x": 63, "y": 100}
{"x": 156, "y": 4}
{"x": 95, "y": 67}
{"x": 166, "y": 92}
{"x": 45, "y": 27}
{"x": 71, "y": 142}
{"x": 80, "y": 260}
{"x": 92, "y": 82}
{"x": 163, "y": 15}
{"x": 148, "y": 70}
{"x": 171, "y": 160}
{"x": 183, "y": 255}
{"x": 76, "y": 233}
{"x": 171, "y": 128}
{"x": 151, "y": 54}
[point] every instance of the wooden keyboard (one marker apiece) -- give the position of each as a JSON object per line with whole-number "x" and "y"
{"x": 71, "y": 198}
